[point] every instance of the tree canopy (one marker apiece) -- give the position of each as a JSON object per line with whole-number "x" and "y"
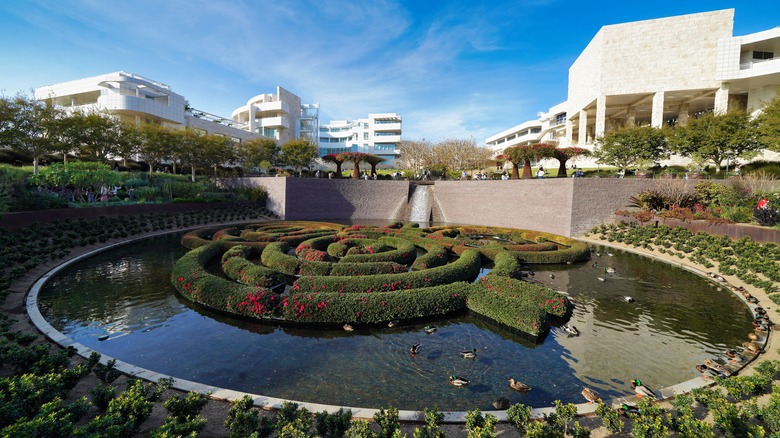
{"x": 524, "y": 154}
{"x": 768, "y": 124}
{"x": 299, "y": 154}
{"x": 564, "y": 154}
{"x": 717, "y": 137}
{"x": 628, "y": 146}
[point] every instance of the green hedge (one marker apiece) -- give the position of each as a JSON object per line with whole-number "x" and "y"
{"x": 338, "y": 308}
{"x": 505, "y": 264}
{"x": 509, "y": 311}
{"x": 404, "y": 253}
{"x": 275, "y": 257}
{"x": 236, "y": 267}
{"x": 196, "y": 284}
{"x": 464, "y": 269}
{"x": 436, "y": 255}
{"x": 546, "y": 299}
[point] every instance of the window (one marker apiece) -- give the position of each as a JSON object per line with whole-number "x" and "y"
{"x": 365, "y": 136}
{"x": 763, "y": 55}
{"x": 560, "y": 119}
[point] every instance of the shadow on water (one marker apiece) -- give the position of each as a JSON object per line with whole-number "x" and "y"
{"x": 676, "y": 320}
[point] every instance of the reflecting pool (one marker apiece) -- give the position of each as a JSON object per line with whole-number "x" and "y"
{"x": 677, "y": 319}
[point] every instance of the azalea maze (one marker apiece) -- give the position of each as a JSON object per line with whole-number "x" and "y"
{"x": 329, "y": 274}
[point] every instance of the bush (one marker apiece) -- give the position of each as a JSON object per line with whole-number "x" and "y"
{"x": 148, "y": 194}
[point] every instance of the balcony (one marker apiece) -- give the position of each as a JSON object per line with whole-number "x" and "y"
{"x": 387, "y": 127}
{"x": 274, "y": 122}
{"x": 273, "y": 107}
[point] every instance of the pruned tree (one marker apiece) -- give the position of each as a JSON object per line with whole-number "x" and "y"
{"x": 373, "y": 161}
{"x": 524, "y": 154}
{"x": 356, "y": 158}
{"x": 336, "y": 160}
{"x": 629, "y": 146}
{"x": 717, "y": 137}
{"x": 299, "y": 154}
{"x": 564, "y": 154}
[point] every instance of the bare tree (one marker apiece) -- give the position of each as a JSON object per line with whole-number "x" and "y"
{"x": 415, "y": 155}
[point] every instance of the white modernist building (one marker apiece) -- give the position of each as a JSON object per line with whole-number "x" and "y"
{"x": 280, "y": 116}
{"x": 138, "y": 100}
{"x": 379, "y": 134}
{"x": 657, "y": 72}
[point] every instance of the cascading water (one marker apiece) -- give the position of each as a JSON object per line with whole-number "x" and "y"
{"x": 421, "y": 204}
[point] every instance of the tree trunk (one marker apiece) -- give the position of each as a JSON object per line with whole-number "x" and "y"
{"x": 373, "y": 170}
{"x": 356, "y": 171}
{"x": 338, "y": 170}
{"x": 527, "y": 170}
{"x": 193, "y": 172}
{"x": 35, "y": 165}
{"x": 562, "y": 169}
{"x": 150, "y": 169}
{"x": 515, "y": 171}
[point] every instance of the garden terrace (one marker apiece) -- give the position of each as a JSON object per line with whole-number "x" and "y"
{"x": 372, "y": 275}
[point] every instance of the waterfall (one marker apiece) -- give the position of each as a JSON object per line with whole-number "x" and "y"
{"x": 421, "y": 204}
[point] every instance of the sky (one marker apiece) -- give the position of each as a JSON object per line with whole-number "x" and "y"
{"x": 450, "y": 68}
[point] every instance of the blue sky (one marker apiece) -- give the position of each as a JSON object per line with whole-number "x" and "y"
{"x": 452, "y": 69}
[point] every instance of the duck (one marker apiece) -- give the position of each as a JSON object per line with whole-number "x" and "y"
{"x": 642, "y": 390}
{"x": 759, "y": 311}
{"x": 598, "y": 254}
{"x": 415, "y": 348}
{"x": 752, "y": 300}
{"x": 751, "y": 347}
{"x": 348, "y": 328}
{"x": 595, "y": 264}
{"x": 711, "y": 364}
{"x": 571, "y": 330}
{"x": 518, "y": 385}
{"x": 753, "y": 336}
{"x": 392, "y": 323}
{"x": 706, "y": 373}
{"x": 430, "y": 329}
{"x": 609, "y": 270}
{"x": 501, "y": 403}
{"x": 458, "y": 381}
{"x": 628, "y": 299}
{"x": 552, "y": 276}
{"x": 469, "y": 354}
{"x": 601, "y": 278}
{"x": 610, "y": 254}
{"x": 626, "y": 410}
{"x": 735, "y": 357}
{"x": 590, "y": 395}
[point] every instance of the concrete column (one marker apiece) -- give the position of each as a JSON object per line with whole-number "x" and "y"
{"x": 682, "y": 114}
{"x": 657, "y": 115}
{"x": 601, "y": 115}
{"x": 631, "y": 116}
{"x": 722, "y": 99}
{"x": 569, "y": 133}
{"x": 252, "y": 114}
{"x": 582, "y": 138}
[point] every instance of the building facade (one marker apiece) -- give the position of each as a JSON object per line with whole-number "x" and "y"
{"x": 280, "y": 116}
{"x": 379, "y": 134}
{"x": 659, "y": 72}
{"x": 137, "y": 100}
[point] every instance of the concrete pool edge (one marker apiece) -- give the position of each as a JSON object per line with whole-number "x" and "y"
{"x": 272, "y": 403}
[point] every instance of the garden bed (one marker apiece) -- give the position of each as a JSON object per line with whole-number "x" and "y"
{"x": 734, "y": 231}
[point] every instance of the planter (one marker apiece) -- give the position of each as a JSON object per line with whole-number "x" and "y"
{"x": 734, "y": 231}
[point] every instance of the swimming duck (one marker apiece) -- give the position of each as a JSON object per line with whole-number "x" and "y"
{"x": 594, "y": 264}
{"x": 598, "y": 254}
{"x": 430, "y": 329}
{"x": 415, "y": 349}
{"x": 610, "y": 254}
{"x": 590, "y": 395}
{"x": 571, "y": 330}
{"x": 601, "y": 278}
{"x": 552, "y": 276}
{"x": 458, "y": 381}
{"x": 626, "y": 410}
{"x": 392, "y": 323}
{"x": 711, "y": 364}
{"x": 628, "y": 299}
{"x": 501, "y": 403}
{"x": 752, "y": 336}
{"x": 751, "y": 347}
{"x": 609, "y": 270}
{"x": 642, "y": 390}
{"x": 469, "y": 354}
{"x": 348, "y": 328}
{"x": 518, "y": 385}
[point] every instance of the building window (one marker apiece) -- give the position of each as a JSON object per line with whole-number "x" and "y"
{"x": 763, "y": 55}
{"x": 365, "y": 136}
{"x": 560, "y": 119}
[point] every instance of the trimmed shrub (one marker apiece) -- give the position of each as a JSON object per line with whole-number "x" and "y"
{"x": 506, "y": 265}
{"x": 548, "y": 300}
{"x": 238, "y": 268}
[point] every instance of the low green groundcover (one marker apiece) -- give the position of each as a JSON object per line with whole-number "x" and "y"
{"x": 369, "y": 275}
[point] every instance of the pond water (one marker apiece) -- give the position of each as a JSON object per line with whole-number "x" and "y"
{"x": 677, "y": 320}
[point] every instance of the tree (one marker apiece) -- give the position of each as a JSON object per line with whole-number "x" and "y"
{"x": 717, "y": 137}
{"x": 299, "y": 154}
{"x": 259, "y": 152}
{"x": 30, "y": 126}
{"x": 629, "y": 146}
{"x": 564, "y": 154}
{"x": 455, "y": 153}
{"x": 373, "y": 161}
{"x": 191, "y": 147}
{"x": 93, "y": 134}
{"x": 156, "y": 141}
{"x": 524, "y": 154}
{"x": 768, "y": 124}
{"x": 415, "y": 155}
{"x": 217, "y": 150}
{"x": 355, "y": 158}
{"x": 129, "y": 141}
{"x": 335, "y": 159}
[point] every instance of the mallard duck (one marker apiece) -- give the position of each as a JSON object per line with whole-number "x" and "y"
{"x": 752, "y": 300}
{"x": 469, "y": 354}
{"x": 598, "y": 254}
{"x": 759, "y": 311}
{"x": 609, "y": 270}
{"x": 626, "y": 410}
{"x": 415, "y": 349}
{"x": 590, "y": 395}
{"x": 601, "y": 279}
{"x": 430, "y": 329}
{"x": 595, "y": 264}
{"x": 571, "y": 330}
{"x": 718, "y": 368}
{"x": 642, "y": 390}
{"x": 392, "y": 323}
{"x": 501, "y": 403}
{"x": 518, "y": 386}
{"x": 628, "y": 299}
{"x": 753, "y": 336}
{"x": 458, "y": 381}
{"x": 552, "y": 276}
{"x": 735, "y": 357}
{"x": 751, "y": 347}
{"x": 706, "y": 373}
{"x": 610, "y": 254}
{"x": 348, "y": 328}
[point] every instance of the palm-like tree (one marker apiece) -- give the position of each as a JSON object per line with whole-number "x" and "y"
{"x": 374, "y": 160}
{"x": 524, "y": 154}
{"x": 335, "y": 159}
{"x": 355, "y": 158}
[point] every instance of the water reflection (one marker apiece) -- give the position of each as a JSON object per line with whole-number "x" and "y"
{"x": 676, "y": 320}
